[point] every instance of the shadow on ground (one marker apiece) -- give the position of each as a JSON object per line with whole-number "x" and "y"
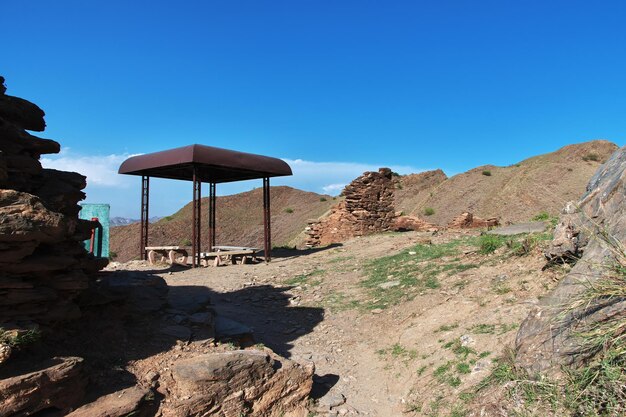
{"x": 296, "y": 253}
{"x": 130, "y": 316}
{"x": 266, "y": 310}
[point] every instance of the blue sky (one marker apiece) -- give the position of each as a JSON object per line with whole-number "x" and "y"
{"x": 338, "y": 86}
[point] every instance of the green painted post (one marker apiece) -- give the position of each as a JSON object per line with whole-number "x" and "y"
{"x": 101, "y": 241}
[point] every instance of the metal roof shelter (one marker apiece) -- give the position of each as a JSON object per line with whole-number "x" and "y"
{"x": 200, "y": 163}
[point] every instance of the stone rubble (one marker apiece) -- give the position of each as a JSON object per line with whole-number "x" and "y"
{"x": 467, "y": 220}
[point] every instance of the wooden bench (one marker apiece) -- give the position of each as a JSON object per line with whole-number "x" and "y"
{"x": 224, "y": 254}
{"x": 169, "y": 252}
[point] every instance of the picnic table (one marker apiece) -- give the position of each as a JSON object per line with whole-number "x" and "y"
{"x": 220, "y": 255}
{"x": 233, "y": 254}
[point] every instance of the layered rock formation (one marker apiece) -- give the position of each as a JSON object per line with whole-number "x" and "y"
{"x": 593, "y": 230}
{"x": 242, "y": 382}
{"x": 43, "y": 266}
{"x": 368, "y": 208}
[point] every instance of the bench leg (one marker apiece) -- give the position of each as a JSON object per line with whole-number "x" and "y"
{"x": 152, "y": 257}
{"x": 172, "y": 257}
{"x": 217, "y": 261}
{"x": 244, "y": 260}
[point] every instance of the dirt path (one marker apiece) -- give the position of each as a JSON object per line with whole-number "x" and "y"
{"x": 395, "y": 347}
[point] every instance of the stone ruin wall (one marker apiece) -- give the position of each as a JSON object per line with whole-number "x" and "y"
{"x": 367, "y": 208}
{"x": 43, "y": 265}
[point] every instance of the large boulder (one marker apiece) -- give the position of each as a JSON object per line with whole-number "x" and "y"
{"x": 594, "y": 229}
{"x": 242, "y": 382}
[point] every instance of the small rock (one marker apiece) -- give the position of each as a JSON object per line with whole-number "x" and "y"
{"x": 481, "y": 365}
{"x": 466, "y": 340}
{"x": 151, "y": 376}
{"x": 332, "y": 400}
{"x": 389, "y": 284}
{"x": 377, "y": 311}
{"x": 5, "y": 353}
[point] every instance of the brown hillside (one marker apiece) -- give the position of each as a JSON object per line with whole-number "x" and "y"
{"x": 239, "y": 221}
{"x": 414, "y": 189}
{"x": 514, "y": 193}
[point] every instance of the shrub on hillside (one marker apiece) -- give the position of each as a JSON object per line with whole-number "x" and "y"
{"x": 289, "y": 210}
{"x": 591, "y": 157}
{"x": 429, "y": 211}
{"x": 487, "y": 173}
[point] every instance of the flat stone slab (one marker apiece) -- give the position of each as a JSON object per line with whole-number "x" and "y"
{"x": 516, "y": 229}
{"x": 225, "y": 327}
{"x": 128, "y": 402}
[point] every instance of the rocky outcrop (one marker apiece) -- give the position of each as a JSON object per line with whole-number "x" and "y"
{"x": 593, "y": 229}
{"x": 367, "y": 208}
{"x": 242, "y": 382}
{"x": 43, "y": 266}
{"x": 467, "y": 220}
{"x": 57, "y": 385}
{"x": 414, "y": 223}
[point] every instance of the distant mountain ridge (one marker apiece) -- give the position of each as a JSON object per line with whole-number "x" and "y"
{"x": 124, "y": 221}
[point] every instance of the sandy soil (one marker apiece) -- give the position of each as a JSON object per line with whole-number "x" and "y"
{"x": 402, "y": 358}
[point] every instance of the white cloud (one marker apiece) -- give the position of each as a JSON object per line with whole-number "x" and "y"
{"x": 105, "y": 185}
{"x": 100, "y": 170}
{"x": 332, "y": 177}
{"x": 333, "y": 188}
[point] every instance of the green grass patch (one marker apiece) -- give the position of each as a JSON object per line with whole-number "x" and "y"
{"x": 306, "y": 278}
{"x": 489, "y": 243}
{"x": 399, "y": 352}
{"x": 19, "y": 338}
{"x": 414, "y": 272}
{"x": 447, "y": 327}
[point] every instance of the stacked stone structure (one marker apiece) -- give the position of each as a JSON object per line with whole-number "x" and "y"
{"x": 367, "y": 208}
{"x": 43, "y": 265}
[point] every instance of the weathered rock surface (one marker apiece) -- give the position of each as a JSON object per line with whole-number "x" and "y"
{"x": 368, "y": 208}
{"x": 243, "y": 382}
{"x": 57, "y": 385}
{"x": 43, "y": 266}
{"x": 593, "y": 229}
{"x": 134, "y": 401}
{"x": 467, "y": 220}
{"x": 406, "y": 223}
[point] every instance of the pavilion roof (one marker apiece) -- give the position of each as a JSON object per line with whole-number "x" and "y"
{"x": 212, "y": 165}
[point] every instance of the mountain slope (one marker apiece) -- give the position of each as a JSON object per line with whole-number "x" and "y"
{"x": 514, "y": 193}
{"x": 239, "y": 221}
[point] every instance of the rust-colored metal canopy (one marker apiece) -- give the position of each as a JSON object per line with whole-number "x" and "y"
{"x": 214, "y": 165}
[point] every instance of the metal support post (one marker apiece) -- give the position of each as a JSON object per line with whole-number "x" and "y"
{"x": 143, "y": 236}
{"x": 266, "y": 220}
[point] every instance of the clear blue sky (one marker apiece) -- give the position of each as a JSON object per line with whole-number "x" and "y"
{"x": 410, "y": 84}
